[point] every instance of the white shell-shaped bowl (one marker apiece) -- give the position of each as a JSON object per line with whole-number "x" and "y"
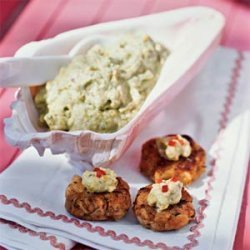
{"x": 191, "y": 34}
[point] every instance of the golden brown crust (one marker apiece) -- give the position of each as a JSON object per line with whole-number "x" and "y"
{"x": 174, "y": 217}
{"x": 187, "y": 170}
{"x": 97, "y": 206}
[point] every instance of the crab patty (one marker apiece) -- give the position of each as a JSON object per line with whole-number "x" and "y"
{"x": 186, "y": 169}
{"x": 97, "y": 206}
{"x": 174, "y": 217}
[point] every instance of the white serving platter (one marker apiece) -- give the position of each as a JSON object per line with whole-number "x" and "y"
{"x": 191, "y": 34}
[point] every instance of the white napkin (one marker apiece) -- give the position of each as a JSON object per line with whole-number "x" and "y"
{"x": 32, "y": 188}
{"x": 15, "y": 236}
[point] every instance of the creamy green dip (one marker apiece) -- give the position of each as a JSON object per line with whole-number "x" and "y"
{"x": 173, "y": 147}
{"x": 166, "y": 193}
{"x": 100, "y": 180}
{"x": 103, "y": 89}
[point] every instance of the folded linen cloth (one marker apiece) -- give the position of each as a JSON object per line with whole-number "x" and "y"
{"x": 32, "y": 188}
{"x": 15, "y": 236}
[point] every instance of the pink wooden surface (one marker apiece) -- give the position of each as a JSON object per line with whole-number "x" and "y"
{"x": 46, "y": 18}
{"x": 9, "y": 10}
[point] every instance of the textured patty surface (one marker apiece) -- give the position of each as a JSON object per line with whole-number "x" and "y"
{"x": 187, "y": 170}
{"x": 174, "y": 217}
{"x": 97, "y": 206}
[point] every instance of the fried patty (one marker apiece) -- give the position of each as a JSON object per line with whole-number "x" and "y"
{"x": 186, "y": 169}
{"x": 97, "y": 206}
{"x": 174, "y": 217}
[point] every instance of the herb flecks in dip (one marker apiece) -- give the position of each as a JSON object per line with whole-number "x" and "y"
{"x": 100, "y": 180}
{"x": 103, "y": 89}
{"x": 173, "y": 147}
{"x": 165, "y": 193}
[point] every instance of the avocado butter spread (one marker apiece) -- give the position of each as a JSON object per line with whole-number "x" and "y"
{"x": 102, "y": 89}
{"x": 165, "y": 193}
{"x": 100, "y": 180}
{"x": 173, "y": 147}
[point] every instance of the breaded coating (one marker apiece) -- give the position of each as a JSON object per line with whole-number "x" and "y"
{"x": 97, "y": 206}
{"x": 187, "y": 170}
{"x": 174, "y": 217}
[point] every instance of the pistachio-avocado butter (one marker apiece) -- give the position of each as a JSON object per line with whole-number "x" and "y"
{"x": 104, "y": 88}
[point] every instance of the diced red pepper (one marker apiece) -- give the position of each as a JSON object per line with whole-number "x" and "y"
{"x": 99, "y": 172}
{"x": 164, "y": 188}
{"x": 172, "y": 143}
{"x": 174, "y": 179}
{"x": 159, "y": 180}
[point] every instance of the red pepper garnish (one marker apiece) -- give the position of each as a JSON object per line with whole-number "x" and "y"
{"x": 99, "y": 172}
{"x": 172, "y": 143}
{"x": 174, "y": 179}
{"x": 164, "y": 188}
{"x": 159, "y": 180}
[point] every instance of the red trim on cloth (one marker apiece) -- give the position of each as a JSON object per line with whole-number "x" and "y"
{"x": 39, "y": 12}
{"x": 195, "y": 229}
{"x": 43, "y": 236}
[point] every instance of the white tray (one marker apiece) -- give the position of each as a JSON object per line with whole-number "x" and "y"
{"x": 192, "y": 34}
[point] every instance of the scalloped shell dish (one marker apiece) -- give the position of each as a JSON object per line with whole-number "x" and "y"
{"x": 191, "y": 34}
